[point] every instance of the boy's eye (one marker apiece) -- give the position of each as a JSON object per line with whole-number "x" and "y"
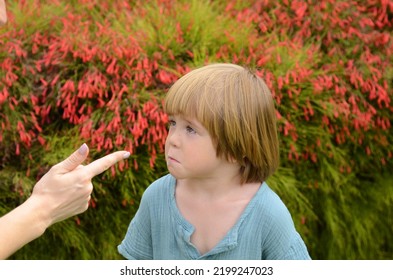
{"x": 171, "y": 123}
{"x": 189, "y": 129}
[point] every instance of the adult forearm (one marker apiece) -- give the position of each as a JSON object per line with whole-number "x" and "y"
{"x": 20, "y": 226}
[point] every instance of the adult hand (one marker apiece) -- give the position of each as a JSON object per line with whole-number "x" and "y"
{"x": 61, "y": 193}
{"x": 65, "y": 190}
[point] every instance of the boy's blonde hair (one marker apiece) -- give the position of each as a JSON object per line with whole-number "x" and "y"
{"x": 237, "y": 109}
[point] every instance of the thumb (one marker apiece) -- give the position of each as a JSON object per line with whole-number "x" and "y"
{"x": 74, "y": 160}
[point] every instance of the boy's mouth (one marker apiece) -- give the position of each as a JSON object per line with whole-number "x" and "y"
{"x": 172, "y": 159}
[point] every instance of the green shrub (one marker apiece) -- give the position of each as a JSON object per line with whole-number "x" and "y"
{"x": 96, "y": 72}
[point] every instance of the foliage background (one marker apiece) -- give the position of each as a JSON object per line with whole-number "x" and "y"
{"x": 96, "y": 72}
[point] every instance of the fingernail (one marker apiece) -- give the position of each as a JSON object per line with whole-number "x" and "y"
{"x": 83, "y": 149}
{"x": 126, "y": 155}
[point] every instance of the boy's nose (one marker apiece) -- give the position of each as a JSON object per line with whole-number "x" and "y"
{"x": 173, "y": 138}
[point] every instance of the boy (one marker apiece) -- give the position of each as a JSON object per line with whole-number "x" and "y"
{"x": 221, "y": 147}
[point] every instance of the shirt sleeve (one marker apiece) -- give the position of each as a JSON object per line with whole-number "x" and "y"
{"x": 137, "y": 244}
{"x": 297, "y": 250}
{"x": 283, "y": 242}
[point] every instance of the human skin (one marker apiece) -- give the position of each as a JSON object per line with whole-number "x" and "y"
{"x": 190, "y": 152}
{"x": 3, "y": 13}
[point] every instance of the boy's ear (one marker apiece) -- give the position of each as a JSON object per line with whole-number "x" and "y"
{"x": 231, "y": 159}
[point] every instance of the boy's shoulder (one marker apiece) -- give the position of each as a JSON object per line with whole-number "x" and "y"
{"x": 268, "y": 203}
{"x": 160, "y": 186}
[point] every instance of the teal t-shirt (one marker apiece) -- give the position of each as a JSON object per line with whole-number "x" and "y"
{"x": 158, "y": 231}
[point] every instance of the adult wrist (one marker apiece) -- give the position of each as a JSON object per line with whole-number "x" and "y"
{"x": 39, "y": 215}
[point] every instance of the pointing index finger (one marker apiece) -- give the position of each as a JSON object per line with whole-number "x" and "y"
{"x": 100, "y": 165}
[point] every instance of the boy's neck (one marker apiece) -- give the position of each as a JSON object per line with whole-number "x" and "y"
{"x": 212, "y": 187}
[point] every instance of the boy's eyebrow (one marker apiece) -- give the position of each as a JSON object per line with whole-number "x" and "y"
{"x": 187, "y": 119}
{"x": 193, "y": 123}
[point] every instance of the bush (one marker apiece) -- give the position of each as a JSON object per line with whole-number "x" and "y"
{"x": 96, "y": 72}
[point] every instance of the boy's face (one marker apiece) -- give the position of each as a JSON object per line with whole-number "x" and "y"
{"x": 3, "y": 14}
{"x": 190, "y": 152}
